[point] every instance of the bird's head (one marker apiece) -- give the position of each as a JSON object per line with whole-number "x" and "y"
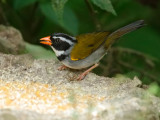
{"x": 60, "y": 43}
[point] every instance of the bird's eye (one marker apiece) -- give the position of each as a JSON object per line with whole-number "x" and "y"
{"x": 57, "y": 40}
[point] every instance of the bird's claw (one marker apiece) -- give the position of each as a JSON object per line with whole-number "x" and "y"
{"x": 63, "y": 67}
{"x": 81, "y": 76}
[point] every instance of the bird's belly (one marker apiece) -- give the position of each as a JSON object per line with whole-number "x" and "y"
{"x": 95, "y": 57}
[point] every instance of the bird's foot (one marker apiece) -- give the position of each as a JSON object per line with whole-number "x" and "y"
{"x": 82, "y": 76}
{"x": 63, "y": 67}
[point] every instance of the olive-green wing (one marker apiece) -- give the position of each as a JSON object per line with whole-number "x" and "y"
{"x": 87, "y": 43}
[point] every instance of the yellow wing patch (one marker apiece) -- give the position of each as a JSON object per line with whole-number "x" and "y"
{"x": 87, "y": 43}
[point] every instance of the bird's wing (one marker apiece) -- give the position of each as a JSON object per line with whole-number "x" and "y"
{"x": 87, "y": 43}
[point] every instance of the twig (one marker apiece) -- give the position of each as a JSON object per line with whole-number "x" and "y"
{"x": 109, "y": 65}
{"x": 114, "y": 58}
{"x": 143, "y": 56}
{"x": 148, "y": 60}
{"x": 93, "y": 14}
{"x": 136, "y": 69}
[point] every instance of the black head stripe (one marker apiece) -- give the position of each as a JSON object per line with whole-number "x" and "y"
{"x": 61, "y": 57}
{"x": 65, "y": 36}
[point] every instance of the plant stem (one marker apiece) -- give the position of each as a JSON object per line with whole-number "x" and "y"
{"x": 136, "y": 69}
{"x": 93, "y": 14}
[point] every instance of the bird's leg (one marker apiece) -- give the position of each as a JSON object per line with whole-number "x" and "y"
{"x": 63, "y": 67}
{"x": 81, "y": 76}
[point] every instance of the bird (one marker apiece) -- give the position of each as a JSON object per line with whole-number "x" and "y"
{"x": 85, "y": 50}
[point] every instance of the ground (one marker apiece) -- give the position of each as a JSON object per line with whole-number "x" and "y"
{"x": 35, "y": 89}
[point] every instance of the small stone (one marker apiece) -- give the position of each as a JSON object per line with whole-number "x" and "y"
{"x": 11, "y": 41}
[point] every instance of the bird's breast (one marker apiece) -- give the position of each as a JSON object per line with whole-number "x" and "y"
{"x": 93, "y": 58}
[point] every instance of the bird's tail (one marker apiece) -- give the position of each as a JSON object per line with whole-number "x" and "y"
{"x": 122, "y": 31}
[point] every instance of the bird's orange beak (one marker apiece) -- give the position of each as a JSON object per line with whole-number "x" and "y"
{"x": 46, "y": 41}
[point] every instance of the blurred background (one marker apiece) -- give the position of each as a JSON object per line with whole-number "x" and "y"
{"x": 135, "y": 54}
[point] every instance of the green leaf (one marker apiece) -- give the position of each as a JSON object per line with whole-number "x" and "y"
{"x": 132, "y": 74}
{"x": 39, "y": 52}
{"x": 47, "y": 10}
{"x": 58, "y": 7}
{"x": 154, "y": 89}
{"x": 3, "y": 1}
{"x": 105, "y": 5}
{"x": 18, "y": 4}
{"x": 70, "y": 19}
{"x": 71, "y": 23}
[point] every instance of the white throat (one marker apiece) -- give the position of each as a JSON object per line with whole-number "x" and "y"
{"x": 57, "y": 52}
{"x": 62, "y": 52}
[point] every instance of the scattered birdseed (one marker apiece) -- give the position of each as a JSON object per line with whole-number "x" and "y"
{"x": 42, "y": 98}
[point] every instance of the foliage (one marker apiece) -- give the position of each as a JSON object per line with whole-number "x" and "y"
{"x": 58, "y": 6}
{"x": 105, "y": 5}
{"x": 39, "y": 52}
{"x": 18, "y": 4}
{"x": 154, "y": 89}
{"x": 136, "y": 53}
